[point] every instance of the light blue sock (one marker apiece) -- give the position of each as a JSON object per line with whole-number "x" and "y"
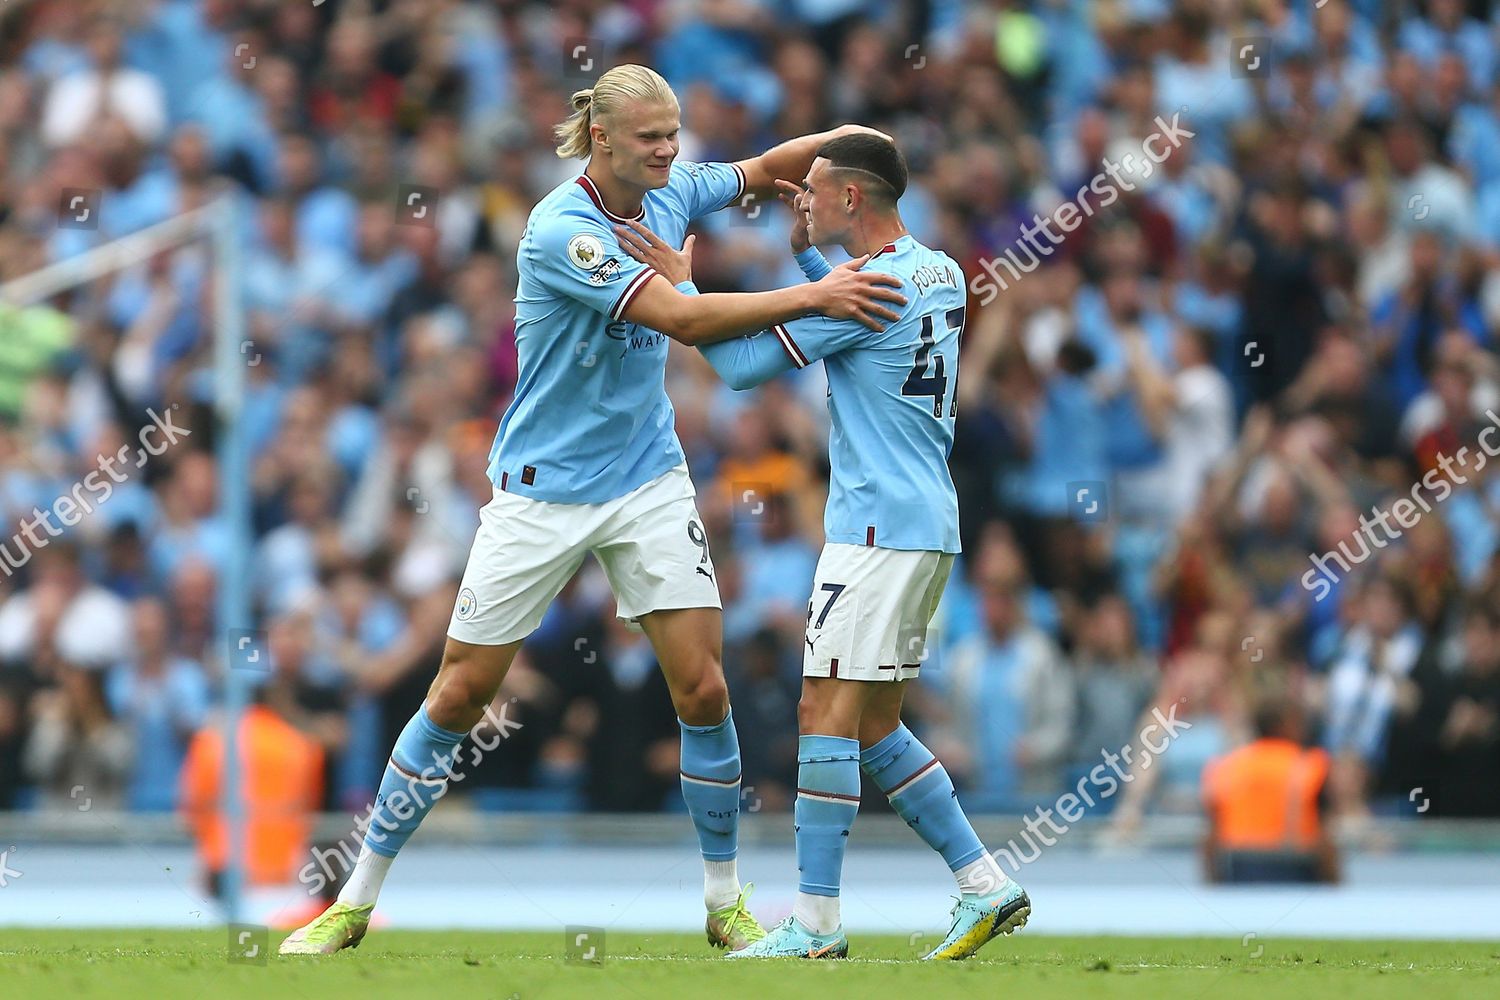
{"x": 921, "y": 792}
{"x": 416, "y": 776}
{"x": 711, "y": 786}
{"x": 827, "y": 802}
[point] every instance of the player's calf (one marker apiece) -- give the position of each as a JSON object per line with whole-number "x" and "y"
{"x": 709, "y": 768}
{"x": 921, "y": 792}
{"x": 423, "y": 759}
{"x": 416, "y": 776}
{"x": 827, "y": 802}
{"x": 827, "y": 796}
{"x": 688, "y": 645}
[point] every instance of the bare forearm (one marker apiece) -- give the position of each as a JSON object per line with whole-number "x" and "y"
{"x": 845, "y": 292}
{"x": 790, "y": 160}
{"x": 708, "y": 319}
{"x": 1153, "y": 388}
{"x": 1157, "y": 403}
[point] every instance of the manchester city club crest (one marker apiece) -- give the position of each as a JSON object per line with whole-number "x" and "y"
{"x": 467, "y": 604}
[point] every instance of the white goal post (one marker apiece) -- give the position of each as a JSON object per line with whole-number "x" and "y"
{"x": 218, "y": 223}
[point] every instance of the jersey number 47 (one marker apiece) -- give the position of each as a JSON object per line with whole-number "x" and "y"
{"x": 919, "y": 382}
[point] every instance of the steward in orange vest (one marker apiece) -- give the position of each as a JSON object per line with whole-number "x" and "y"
{"x": 282, "y": 774}
{"x": 1266, "y": 803}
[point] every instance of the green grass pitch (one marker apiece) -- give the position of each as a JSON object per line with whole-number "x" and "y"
{"x": 403, "y": 965}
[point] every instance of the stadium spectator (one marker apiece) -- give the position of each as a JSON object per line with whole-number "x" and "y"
{"x": 1465, "y": 731}
{"x": 776, "y": 574}
{"x": 308, "y": 691}
{"x": 282, "y": 785}
{"x": 1377, "y": 654}
{"x": 78, "y": 752}
{"x": 629, "y": 727}
{"x": 1191, "y": 413}
{"x": 1007, "y": 704}
{"x": 13, "y": 728}
{"x": 1201, "y": 690}
{"x": 287, "y": 558}
{"x": 162, "y": 700}
{"x": 107, "y": 88}
{"x": 1267, "y": 804}
{"x": 63, "y": 617}
{"x": 764, "y": 673}
{"x": 33, "y": 339}
{"x": 1114, "y": 678}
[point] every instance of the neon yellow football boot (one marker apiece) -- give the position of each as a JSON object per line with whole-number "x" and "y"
{"x": 734, "y": 927}
{"x": 341, "y": 926}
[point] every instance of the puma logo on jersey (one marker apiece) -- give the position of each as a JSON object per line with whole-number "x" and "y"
{"x": 704, "y": 572}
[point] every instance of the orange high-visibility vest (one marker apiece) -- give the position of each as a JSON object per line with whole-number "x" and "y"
{"x": 282, "y": 772}
{"x": 1264, "y": 796}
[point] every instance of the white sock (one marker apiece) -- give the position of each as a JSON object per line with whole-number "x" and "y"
{"x": 721, "y": 883}
{"x": 819, "y": 914}
{"x": 365, "y": 881}
{"x": 981, "y": 876}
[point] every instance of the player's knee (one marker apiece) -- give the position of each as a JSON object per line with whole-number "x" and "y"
{"x": 464, "y": 686}
{"x": 831, "y": 707}
{"x": 705, "y": 701}
{"x": 881, "y": 713}
{"x": 813, "y": 710}
{"x": 875, "y": 726}
{"x": 455, "y": 701}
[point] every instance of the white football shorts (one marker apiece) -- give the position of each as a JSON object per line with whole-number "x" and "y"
{"x": 869, "y": 613}
{"x": 650, "y": 542}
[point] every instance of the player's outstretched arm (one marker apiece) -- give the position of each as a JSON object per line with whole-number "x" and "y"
{"x": 845, "y": 293}
{"x": 746, "y": 362}
{"x": 791, "y": 159}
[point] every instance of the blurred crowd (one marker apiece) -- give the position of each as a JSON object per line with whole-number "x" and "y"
{"x": 1284, "y": 326}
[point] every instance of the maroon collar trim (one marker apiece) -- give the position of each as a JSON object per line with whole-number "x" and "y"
{"x": 593, "y": 192}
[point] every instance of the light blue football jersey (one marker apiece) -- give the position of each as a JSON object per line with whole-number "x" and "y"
{"x": 591, "y": 420}
{"x": 891, "y": 396}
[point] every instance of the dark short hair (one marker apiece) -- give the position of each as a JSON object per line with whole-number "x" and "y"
{"x": 1203, "y": 339}
{"x": 1274, "y": 715}
{"x": 869, "y": 154}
